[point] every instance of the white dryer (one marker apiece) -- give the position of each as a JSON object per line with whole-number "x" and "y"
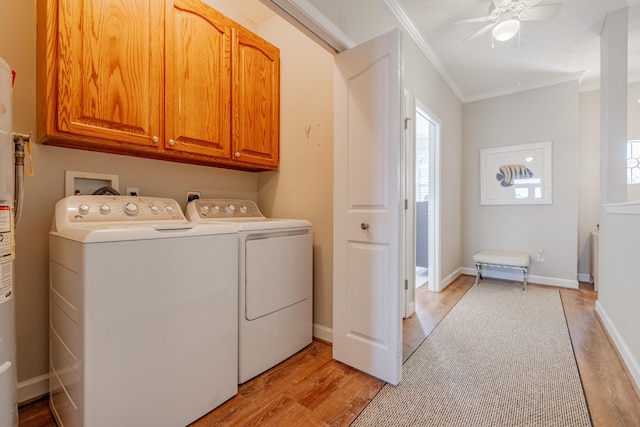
{"x": 143, "y": 319}
{"x": 275, "y": 281}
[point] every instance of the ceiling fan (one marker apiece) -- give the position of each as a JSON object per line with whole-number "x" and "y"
{"x": 505, "y": 16}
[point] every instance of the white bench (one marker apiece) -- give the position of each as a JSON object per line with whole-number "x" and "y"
{"x": 504, "y": 259}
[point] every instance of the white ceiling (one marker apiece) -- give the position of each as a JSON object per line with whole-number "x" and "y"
{"x": 565, "y": 47}
{"x": 547, "y": 52}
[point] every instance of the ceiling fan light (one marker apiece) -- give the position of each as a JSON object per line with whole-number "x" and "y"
{"x": 505, "y": 30}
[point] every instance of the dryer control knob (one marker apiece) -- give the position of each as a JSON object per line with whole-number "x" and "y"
{"x": 105, "y": 209}
{"x": 154, "y": 209}
{"x": 169, "y": 209}
{"x": 215, "y": 209}
{"x": 204, "y": 209}
{"x": 230, "y": 209}
{"x": 131, "y": 209}
{"x": 243, "y": 209}
{"x": 83, "y": 209}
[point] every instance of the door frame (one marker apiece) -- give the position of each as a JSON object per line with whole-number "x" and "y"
{"x": 411, "y": 105}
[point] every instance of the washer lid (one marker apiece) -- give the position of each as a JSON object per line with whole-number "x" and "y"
{"x": 124, "y": 232}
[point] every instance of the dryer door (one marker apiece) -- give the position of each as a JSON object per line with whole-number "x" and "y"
{"x": 278, "y": 271}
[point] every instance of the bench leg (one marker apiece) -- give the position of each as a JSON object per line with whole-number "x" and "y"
{"x": 525, "y": 279}
{"x": 478, "y": 274}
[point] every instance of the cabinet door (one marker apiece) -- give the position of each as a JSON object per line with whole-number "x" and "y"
{"x": 198, "y": 80}
{"x": 256, "y": 100}
{"x": 110, "y": 69}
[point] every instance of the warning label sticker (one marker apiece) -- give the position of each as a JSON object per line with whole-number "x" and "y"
{"x": 6, "y": 282}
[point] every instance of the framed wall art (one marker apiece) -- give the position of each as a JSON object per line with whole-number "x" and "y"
{"x": 516, "y": 175}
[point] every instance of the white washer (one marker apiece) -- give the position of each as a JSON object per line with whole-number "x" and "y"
{"x": 143, "y": 319}
{"x": 275, "y": 281}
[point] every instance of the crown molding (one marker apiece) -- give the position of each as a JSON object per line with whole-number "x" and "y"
{"x": 403, "y": 17}
{"x": 313, "y": 21}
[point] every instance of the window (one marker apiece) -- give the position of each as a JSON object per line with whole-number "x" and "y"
{"x": 633, "y": 162}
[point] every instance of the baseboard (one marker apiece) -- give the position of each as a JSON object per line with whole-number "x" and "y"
{"x": 323, "y": 333}
{"x": 629, "y": 360}
{"x": 517, "y": 276}
{"x": 449, "y": 279}
{"x": 33, "y": 388}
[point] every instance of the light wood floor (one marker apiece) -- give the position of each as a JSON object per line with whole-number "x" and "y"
{"x": 311, "y": 389}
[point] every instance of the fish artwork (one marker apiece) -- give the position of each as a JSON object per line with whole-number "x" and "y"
{"x": 509, "y": 173}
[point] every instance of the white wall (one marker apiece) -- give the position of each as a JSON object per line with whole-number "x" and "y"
{"x": 618, "y": 279}
{"x": 546, "y": 114}
{"x": 303, "y": 187}
{"x": 590, "y": 166}
{"x": 589, "y": 212}
{"x": 426, "y": 85}
{"x": 619, "y": 251}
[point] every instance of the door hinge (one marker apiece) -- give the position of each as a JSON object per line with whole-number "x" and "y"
{"x": 406, "y": 204}
{"x": 406, "y": 284}
{"x": 406, "y": 122}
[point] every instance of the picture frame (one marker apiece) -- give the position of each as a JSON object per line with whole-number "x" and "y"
{"x": 516, "y": 175}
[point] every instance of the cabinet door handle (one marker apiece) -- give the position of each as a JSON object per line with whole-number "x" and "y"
{"x": 171, "y": 142}
{"x": 237, "y": 154}
{"x": 155, "y": 139}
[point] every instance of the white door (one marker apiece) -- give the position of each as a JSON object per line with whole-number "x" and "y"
{"x": 367, "y": 321}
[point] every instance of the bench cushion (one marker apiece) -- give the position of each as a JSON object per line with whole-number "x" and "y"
{"x": 511, "y": 259}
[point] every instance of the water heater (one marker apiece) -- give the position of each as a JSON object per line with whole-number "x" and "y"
{"x": 8, "y": 376}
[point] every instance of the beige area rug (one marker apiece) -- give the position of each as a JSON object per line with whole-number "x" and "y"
{"x": 499, "y": 358}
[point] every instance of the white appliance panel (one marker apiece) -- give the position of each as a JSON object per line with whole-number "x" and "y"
{"x": 282, "y": 261}
{"x": 8, "y": 375}
{"x": 173, "y": 341}
{"x": 147, "y": 326}
{"x": 275, "y": 281}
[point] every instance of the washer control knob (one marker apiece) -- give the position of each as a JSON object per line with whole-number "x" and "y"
{"x": 215, "y": 209}
{"x": 154, "y": 209}
{"x": 230, "y": 209}
{"x": 105, "y": 209}
{"x": 131, "y": 209}
{"x": 243, "y": 209}
{"x": 83, "y": 209}
{"x": 204, "y": 209}
{"x": 169, "y": 209}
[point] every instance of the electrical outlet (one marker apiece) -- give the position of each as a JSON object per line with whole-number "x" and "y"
{"x": 133, "y": 191}
{"x": 541, "y": 255}
{"x": 192, "y": 195}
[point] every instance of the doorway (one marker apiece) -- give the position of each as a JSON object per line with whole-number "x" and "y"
{"x": 425, "y": 135}
{"x": 421, "y": 165}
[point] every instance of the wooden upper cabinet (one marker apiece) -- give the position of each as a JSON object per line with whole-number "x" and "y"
{"x": 165, "y": 79}
{"x": 198, "y": 80}
{"x": 256, "y": 99}
{"x": 110, "y": 70}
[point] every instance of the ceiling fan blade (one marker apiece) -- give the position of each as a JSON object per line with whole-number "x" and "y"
{"x": 539, "y": 13}
{"x": 480, "y": 32}
{"x": 470, "y": 20}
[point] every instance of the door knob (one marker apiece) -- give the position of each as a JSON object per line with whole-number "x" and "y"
{"x": 364, "y": 226}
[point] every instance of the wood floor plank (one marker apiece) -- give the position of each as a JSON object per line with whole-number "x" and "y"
{"x": 312, "y": 389}
{"x": 611, "y": 395}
